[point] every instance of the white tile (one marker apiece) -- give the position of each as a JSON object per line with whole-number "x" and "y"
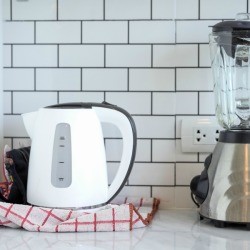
{"x": 194, "y": 79}
{"x": 175, "y": 55}
{"x": 193, "y": 31}
{"x": 129, "y": 101}
{"x": 80, "y": 96}
{"x": 152, "y": 174}
{"x": 223, "y": 9}
{"x": 127, "y": 9}
{"x": 186, "y": 171}
{"x": 113, "y": 149}
{"x": 165, "y": 195}
{"x": 105, "y": 32}
{"x": 154, "y": 126}
{"x": 134, "y": 191}
{"x": 186, "y": 103}
{"x": 183, "y": 198}
{"x": 112, "y": 170}
{"x": 21, "y": 142}
{"x": 7, "y": 102}
{"x": 143, "y": 150}
{"x": 152, "y": 79}
{"x": 187, "y": 9}
{"x": 163, "y": 103}
{"x": 58, "y": 79}
{"x": 110, "y": 131}
{"x": 7, "y": 55}
{"x": 207, "y": 103}
{"x": 128, "y": 56}
{"x": 34, "y": 55}
{"x": 204, "y": 55}
{"x": 6, "y": 9}
{"x": 104, "y": 79}
{"x": 163, "y": 9}
{"x": 163, "y": 150}
{"x": 34, "y": 10}
{"x": 58, "y": 32}
{"x": 152, "y": 32}
{"x": 13, "y": 126}
{"x": 184, "y": 157}
{"x": 31, "y": 101}
{"x": 18, "y": 32}
{"x": 80, "y": 9}
{"x": 18, "y": 79}
{"x": 81, "y": 55}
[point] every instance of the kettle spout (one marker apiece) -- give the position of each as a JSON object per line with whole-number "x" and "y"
{"x": 29, "y": 122}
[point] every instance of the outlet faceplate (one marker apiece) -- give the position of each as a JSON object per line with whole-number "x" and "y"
{"x": 199, "y": 134}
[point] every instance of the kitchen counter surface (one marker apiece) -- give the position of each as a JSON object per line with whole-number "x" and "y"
{"x": 170, "y": 229}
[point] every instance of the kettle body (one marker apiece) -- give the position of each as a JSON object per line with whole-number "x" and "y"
{"x": 67, "y": 167}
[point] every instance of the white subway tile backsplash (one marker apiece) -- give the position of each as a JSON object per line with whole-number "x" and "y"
{"x": 58, "y": 32}
{"x": 18, "y": 79}
{"x": 105, "y": 79}
{"x": 183, "y": 5}
{"x": 81, "y": 55}
{"x": 166, "y": 196}
{"x": 105, "y": 32}
{"x": 80, "y": 10}
{"x": 18, "y": 32}
{"x": 163, "y": 9}
{"x": 207, "y": 103}
{"x": 127, "y": 9}
{"x": 7, "y": 59}
{"x": 72, "y": 96}
{"x": 6, "y": 102}
{"x": 151, "y": 79}
{"x": 143, "y": 150}
{"x": 163, "y": 103}
{"x": 152, "y": 174}
{"x": 13, "y": 126}
{"x": 151, "y": 31}
{"x": 134, "y": 103}
{"x": 163, "y": 150}
{"x": 155, "y": 126}
{"x": 186, "y": 103}
{"x": 34, "y": 55}
{"x": 31, "y": 101}
{"x": 58, "y": 79}
{"x": 6, "y": 10}
{"x": 193, "y": 31}
{"x": 150, "y": 57}
{"x": 178, "y": 55}
{"x": 196, "y": 79}
{"x": 128, "y": 55}
{"x": 186, "y": 171}
{"x": 223, "y": 9}
{"x": 34, "y": 10}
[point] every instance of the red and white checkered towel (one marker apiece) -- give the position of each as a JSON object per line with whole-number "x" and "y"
{"x": 133, "y": 213}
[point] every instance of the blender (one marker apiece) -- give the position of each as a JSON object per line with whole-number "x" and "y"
{"x": 222, "y": 191}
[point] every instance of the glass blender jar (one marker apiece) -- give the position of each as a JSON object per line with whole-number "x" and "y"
{"x": 230, "y": 58}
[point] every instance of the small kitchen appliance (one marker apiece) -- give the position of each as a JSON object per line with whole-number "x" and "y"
{"x": 223, "y": 189}
{"x": 67, "y": 166}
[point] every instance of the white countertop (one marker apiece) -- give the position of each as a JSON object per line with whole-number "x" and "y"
{"x": 170, "y": 229}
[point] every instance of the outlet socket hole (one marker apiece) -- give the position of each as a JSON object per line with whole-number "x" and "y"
{"x": 198, "y": 131}
{"x": 204, "y": 135}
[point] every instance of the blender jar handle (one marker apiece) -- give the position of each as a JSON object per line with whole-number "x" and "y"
{"x": 243, "y": 16}
{"x": 122, "y": 119}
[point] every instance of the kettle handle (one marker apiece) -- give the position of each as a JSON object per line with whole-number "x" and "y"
{"x": 112, "y": 114}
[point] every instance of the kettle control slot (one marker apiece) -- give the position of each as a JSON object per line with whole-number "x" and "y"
{"x": 61, "y": 171}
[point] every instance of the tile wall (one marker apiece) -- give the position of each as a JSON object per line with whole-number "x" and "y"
{"x": 150, "y": 57}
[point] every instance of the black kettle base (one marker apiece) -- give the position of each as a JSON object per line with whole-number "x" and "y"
{"x": 228, "y": 224}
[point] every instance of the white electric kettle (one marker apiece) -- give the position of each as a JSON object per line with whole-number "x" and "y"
{"x": 67, "y": 166}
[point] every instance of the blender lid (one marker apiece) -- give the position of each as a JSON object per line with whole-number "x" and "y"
{"x": 241, "y": 23}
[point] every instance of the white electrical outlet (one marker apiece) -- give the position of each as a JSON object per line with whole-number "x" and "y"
{"x": 199, "y": 134}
